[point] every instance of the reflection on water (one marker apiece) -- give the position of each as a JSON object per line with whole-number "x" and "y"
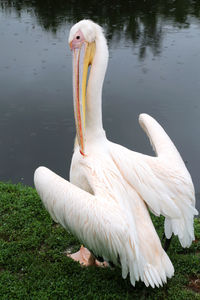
{"x": 153, "y": 67}
{"x": 139, "y": 21}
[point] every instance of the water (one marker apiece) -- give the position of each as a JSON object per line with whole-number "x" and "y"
{"x": 153, "y": 68}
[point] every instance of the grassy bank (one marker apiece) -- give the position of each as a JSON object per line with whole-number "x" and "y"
{"x": 33, "y": 264}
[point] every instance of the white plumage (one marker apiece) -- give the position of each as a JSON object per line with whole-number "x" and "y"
{"x": 105, "y": 205}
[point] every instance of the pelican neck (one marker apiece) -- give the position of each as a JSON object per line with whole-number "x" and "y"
{"x": 93, "y": 116}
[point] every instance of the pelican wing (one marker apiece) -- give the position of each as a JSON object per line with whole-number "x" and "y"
{"x": 94, "y": 221}
{"x": 100, "y": 225}
{"x": 163, "y": 181}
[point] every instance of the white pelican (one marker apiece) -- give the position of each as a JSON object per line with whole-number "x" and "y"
{"x": 106, "y": 204}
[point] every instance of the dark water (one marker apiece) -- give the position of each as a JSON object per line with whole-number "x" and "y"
{"x": 154, "y": 67}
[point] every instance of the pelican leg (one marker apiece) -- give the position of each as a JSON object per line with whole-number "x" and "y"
{"x": 166, "y": 241}
{"x": 86, "y": 258}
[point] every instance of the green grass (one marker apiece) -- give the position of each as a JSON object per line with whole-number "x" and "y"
{"x": 33, "y": 264}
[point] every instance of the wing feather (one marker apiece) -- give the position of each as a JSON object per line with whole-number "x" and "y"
{"x": 163, "y": 182}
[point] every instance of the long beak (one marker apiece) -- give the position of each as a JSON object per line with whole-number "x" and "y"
{"x": 82, "y": 58}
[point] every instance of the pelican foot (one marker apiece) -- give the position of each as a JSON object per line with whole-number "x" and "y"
{"x": 86, "y": 258}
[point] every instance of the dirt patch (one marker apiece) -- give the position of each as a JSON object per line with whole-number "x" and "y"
{"x": 55, "y": 225}
{"x": 194, "y": 284}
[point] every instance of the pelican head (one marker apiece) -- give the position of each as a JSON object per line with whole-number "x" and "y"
{"x": 82, "y": 41}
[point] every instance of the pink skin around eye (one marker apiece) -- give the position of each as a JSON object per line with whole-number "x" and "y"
{"x": 77, "y": 40}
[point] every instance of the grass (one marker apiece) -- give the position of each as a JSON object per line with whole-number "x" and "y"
{"x": 33, "y": 264}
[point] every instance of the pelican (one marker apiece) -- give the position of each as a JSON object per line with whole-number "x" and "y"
{"x": 105, "y": 204}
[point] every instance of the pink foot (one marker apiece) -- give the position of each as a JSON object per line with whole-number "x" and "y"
{"x": 86, "y": 258}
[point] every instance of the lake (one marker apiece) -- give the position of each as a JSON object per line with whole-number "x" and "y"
{"x": 154, "y": 67}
